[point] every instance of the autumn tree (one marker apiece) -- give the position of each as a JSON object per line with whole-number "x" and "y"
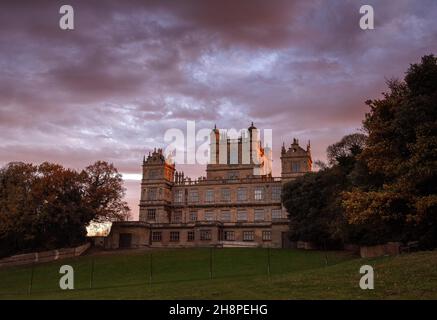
{"x": 48, "y": 206}
{"x": 401, "y": 160}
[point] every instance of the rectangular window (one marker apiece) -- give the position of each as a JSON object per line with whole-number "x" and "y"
{"x": 209, "y": 196}
{"x": 190, "y": 236}
{"x": 194, "y": 196}
{"x": 276, "y": 193}
{"x": 248, "y": 235}
{"x": 209, "y": 215}
{"x": 226, "y": 216}
{"x": 259, "y": 214}
{"x": 177, "y": 217}
{"x": 267, "y": 235}
{"x": 193, "y": 216}
{"x": 205, "y": 235}
{"x": 242, "y": 194}
{"x": 295, "y": 166}
{"x": 174, "y": 236}
{"x": 156, "y": 236}
{"x": 151, "y": 214}
{"x": 229, "y": 235}
{"x": 259, "y": 193}
{"x": 151, "y": 194}
{"x": 241, "y": 216}
{"x": 226, "y": 195}
{"x": 276, "y": 214}
{"x": 179, "y": 196}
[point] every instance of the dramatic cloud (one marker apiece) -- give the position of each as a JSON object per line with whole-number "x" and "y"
{"x": 133, "y": 69}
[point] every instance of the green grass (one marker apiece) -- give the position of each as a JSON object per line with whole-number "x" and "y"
{"x": 237, "y": 274}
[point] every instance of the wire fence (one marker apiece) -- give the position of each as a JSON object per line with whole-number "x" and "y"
{"x": 160, "y": 267}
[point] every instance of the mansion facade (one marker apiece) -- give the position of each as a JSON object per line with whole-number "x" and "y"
{"x": 237, "y": 203}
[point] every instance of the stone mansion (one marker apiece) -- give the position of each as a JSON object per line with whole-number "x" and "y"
{"x": 238, "y": 203}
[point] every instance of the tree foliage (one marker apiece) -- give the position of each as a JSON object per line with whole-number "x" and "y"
{"x": 48, "y": 206}
{"x": 384, "y": 186}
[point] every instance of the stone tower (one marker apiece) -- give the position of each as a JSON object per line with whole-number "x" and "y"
{"x": 295, "y": 161}
{"x": 156, "y": 188}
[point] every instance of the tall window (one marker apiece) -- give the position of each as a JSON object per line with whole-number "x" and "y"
{"x": 276, "y": 193}
{"x": 295, "y": 166}
{"x": 267, "y": 235}
{"x": 179, "y": 196}
{"x": 209, "y": 195}
{"x": 205, "y": 235}
{"x": 259, "y": 214}
{"x": 259, "y": 193}
{"x": 242, "y": 194}
{"x": 177, "y": 217}
{"x": 248, "y": 235}
{"x": 156, "y": 236}
{"x": 241, "y": 215}
{"x": 209, "y": 215}
{"x": 229, "y": 235}
{"x": 194, "y": 196}
{"x": 151, "y": 194}
{"x": 190, "y": 236}
{"x": 151, "y": 214}
{"x": 226, "y": 216}
{"x": 174, "y": 236}
{"x": 226, "y": 195}
{"x": 193, "y": 216}
{"x": 276, "y": 214}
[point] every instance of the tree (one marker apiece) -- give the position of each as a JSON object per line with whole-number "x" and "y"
{"x": 48, "y": 206}
{"x": 401, "y": 159}
{"x": 104, "y": 192}
{"x": 313, "y": 201}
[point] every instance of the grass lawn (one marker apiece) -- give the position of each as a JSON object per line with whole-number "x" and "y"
{"x": 237, "y": 273}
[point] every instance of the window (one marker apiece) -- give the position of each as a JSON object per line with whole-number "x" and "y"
{"x": 241, "y": 194}
{"x": 193, "y": 216}
{"x": 179, "y": 196}
{"x": 259, "y": 214}
{"x": 190, "y": 236}
{"x": 229, "y": 235}
{"x": 151, "y": 194}
{"x": 226, "y": 216}
{"x": 177, "y": 217}
{"x": 248, "y": 235}
{"x": 153, "y": 174}
{"x": 209, "y": 215}
{"x": 156, "y": 236}
{"x": 267, "y": 235}
{"x": 194, "y": 196}
{"x": 151, "y": 214}
{"x": 276, "y": 214}
{"x": 295, "y": 166}
{"x": 205, "y": 235}
{"x": 241, "y": 215}
{"x": 226, "y": 195}
{"x": 174, "y": 236}
{"x": 259, "y": 193}
{"x": 209, "y": 196}
{"x": 276, "y": 193}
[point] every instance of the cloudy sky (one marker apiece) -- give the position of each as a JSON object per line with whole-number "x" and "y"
{"x": 133, "y": 69}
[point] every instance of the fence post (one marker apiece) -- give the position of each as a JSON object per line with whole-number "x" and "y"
{"x": 210, "y": 263}
{"x": 92, "y": 274}
{"x": 151, "y": 269}
{"x": 29, "y": 289}
{"x": 268, "y": 262}
{"x": 326, "y": 254}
